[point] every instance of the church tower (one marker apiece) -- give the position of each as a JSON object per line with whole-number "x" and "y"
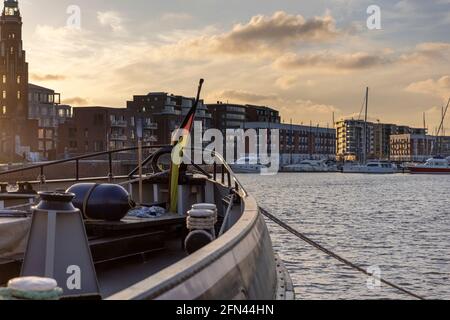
{"x": 15, "y": 128}
{"x": 13, "y": 66}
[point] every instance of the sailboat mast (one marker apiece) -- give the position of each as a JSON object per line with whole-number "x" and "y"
{"x": 425, "y": 141}
{"x": 364, "y": 157}
{"x": 444, "y": 114}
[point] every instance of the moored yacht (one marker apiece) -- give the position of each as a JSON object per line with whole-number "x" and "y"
{"x": 436, "y": 165}
{"x": 248, "y": 164}
{"x": 311, "y": 166}
{"x": 372, "y": 167}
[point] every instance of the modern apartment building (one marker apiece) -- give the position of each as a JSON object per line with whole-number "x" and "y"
{"x": 350, "y": 139}
{"x": 299, "y": 142}
{"x": 262, "y": 114}
{"x": 164, "y": 112}
{"x": 44, "y": 106}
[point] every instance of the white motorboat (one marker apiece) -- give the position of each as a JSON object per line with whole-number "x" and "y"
{"x": 248, "y": 164}
{"x": 311, "y": 166}
{"x": 372, "y": 167}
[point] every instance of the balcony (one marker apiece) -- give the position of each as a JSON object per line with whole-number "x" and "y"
{"x": 171, "y": 110}
{"x": 150, "y": 139}
{"x": 119, "y": 123}
{"x": 118, "y": 137}
{"x": 150, "y": 126}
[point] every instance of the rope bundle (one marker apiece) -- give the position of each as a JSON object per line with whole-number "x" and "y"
{"x": 203, "y": 216}
{"x": 200, "y": 223}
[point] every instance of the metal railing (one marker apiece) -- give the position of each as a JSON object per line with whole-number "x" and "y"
{"x": 76, "y": 160}
{"x": 221, "y": 170}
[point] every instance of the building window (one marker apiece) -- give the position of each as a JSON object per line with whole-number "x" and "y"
{"x": 18, "y": 79}
{"x": 4, "y": 78}
{"x": 98, "y": 146}
{"x": 12, "y": 50}
{"x": 18, "y": 95}
{"x": 72, "y": 132}
{"x": 9, "y": 11}
{"x": 4, "y": 110}
{"x": 49, "y": 134}
{"x": 4, "y": 94}
{"x": 98, "y": 119}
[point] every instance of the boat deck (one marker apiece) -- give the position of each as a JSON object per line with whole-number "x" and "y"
{"x": 128, "y": 272}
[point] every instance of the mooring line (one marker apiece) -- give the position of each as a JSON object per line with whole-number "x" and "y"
{"x": 332, "y": 254}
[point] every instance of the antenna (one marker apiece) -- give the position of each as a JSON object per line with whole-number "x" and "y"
{"x": 424, "y": 122}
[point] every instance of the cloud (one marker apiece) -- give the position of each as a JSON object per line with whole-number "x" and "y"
{"x": 176, "y": 17}
{"x": 311, "y": 107}
{"x": 271, "y": 33}
{"x": 245, "y": 96}
{"x": 76, "y": 101}
{"x": 428, "y": 51}
{"x": 439, "y": 88}
{"x": 110, "y": 19}
{"x": 334, "y": 61}
{"x": 47, "y": 77}
{"x": 287, "y": 81}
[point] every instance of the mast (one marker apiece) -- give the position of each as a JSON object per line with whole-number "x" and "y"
{"x": 292, "y": 142}
{"x": 364, "y": 155}
{"x": 444, "y": 113}
{"x": 310, "y": 140}
{"x": 425, "y": 142}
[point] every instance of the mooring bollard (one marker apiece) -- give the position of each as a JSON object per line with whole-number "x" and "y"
{"x": 58, "y": 247}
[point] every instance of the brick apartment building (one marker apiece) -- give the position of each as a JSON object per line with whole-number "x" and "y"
{"x": 96, "y": 129}
{"x": 299, "y": 142}
{"x": 167, "y": 111}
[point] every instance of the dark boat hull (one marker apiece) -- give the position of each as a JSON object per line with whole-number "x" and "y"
{"x": 422, "y": 170}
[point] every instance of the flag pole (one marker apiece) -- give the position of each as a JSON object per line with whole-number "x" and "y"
{"x": 177, "y": 152}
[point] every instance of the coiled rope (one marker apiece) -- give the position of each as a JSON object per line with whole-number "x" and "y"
{"x": 193, "y": 223}
{"x": 334, "y": 255}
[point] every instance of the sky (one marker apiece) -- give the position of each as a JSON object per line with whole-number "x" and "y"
{"x": 307, "y": 59}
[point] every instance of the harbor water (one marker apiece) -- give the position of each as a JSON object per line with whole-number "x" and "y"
{"x": 398, "y": 225}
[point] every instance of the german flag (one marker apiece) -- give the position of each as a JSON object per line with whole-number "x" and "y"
{"x": 178, "y": 148}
